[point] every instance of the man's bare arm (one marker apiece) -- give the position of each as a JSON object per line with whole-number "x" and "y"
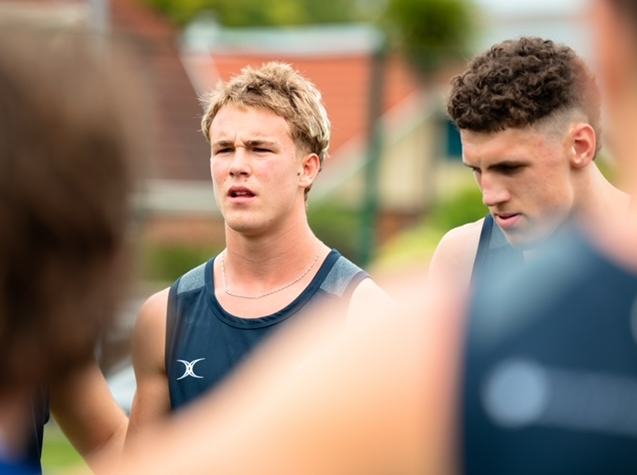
{"x": 152, "y": 399}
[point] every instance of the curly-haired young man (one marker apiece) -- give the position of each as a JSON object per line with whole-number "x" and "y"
{"x": 269, "y": 134}
{"x": 550, "y": 372}
{"x": 528, "y": 111}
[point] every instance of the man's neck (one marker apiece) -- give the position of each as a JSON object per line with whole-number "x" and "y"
{"x": 256, "y": 277}
{"x": 269, "y": 250}
{"x": 598, "y": 200}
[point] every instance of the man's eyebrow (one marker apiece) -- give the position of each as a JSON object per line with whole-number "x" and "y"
{"x": 222, "y": 143}
{"x": 508, "y": 163}
{"x": 259, "y": 142}
{"x": 248, "y": 143}
{"x": 501, "y": 163}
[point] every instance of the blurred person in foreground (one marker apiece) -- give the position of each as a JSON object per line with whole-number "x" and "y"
{"x": 547, "y": 368}
{"x": 529, "y": 116}
{"x": 66, "y": 145}
{"x": 269, "y": 134}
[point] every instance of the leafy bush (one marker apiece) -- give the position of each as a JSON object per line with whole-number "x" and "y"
{"x": 464, "y": 207}
{"x": 418, "y": 243}
{"x": 336, "y": 226}
{"x": 164, "y": 263}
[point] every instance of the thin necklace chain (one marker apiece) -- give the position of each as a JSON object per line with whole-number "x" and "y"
{"x": 255, "y": 297}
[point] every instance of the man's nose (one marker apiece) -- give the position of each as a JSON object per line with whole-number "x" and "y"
{"x": 240, "y": 163}
{"x": 493, "y": 193}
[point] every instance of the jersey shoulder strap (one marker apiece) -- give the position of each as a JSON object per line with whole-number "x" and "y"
{"x": 483, "y": 246}
{"x": 192, "y": 280}
{"x": 343, "y": 277}
{"x": 494, "y": 253}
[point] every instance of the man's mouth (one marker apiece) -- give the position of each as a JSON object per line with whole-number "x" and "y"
{"x": 507, "y": 220}
{"x": 240, "y": 193}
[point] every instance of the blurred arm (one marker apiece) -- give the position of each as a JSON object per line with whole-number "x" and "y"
{"x": 366, "y": 295}
{"x": 88, "y": 415}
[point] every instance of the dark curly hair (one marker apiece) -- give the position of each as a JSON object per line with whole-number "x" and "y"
{"x": 519, "y": 82}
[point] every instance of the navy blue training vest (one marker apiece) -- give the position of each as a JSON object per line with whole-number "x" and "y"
{"x": 494, "y": 254}
{"x": 550, "y": 368}
{"x": 38, "y": 417}
{"x": 204, "y": 342}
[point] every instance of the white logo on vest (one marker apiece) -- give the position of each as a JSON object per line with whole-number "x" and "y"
{"x": 190, "y": 368}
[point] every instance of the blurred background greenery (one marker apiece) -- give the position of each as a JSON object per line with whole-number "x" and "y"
{"x": 57, "y": 452}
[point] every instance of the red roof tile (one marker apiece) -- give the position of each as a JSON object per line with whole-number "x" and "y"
{"x": 180, "y": 152}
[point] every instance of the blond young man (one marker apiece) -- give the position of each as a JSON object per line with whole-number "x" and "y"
{"x": 269, "y": 134}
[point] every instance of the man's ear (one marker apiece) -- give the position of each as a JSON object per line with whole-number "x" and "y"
{"x": 308, "y": 169}
{"x": 583, "y": 142}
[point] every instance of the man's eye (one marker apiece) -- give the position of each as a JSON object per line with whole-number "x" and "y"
{"x": 509, "y": 169}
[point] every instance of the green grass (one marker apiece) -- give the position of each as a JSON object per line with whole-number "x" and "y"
{"x": 57, "y": 452}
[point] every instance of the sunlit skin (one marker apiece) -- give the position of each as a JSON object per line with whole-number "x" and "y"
{"x": 526, "y": 180}
{"x": 257, "y": 171}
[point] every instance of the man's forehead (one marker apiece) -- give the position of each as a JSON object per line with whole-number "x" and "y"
{"x": 249, "y": 110}
{"x": 507, "y": 144}
{"x": 256, "y": 122}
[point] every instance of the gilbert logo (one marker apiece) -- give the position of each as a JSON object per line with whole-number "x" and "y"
{"x": 190, "y": 368}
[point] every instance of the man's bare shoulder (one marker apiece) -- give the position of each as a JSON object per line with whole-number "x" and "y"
{"x": 151, "y": 319}
{"x": 155, "y": 304}
{"x": 455, "y": 254}
{"x": 463, "y": 236}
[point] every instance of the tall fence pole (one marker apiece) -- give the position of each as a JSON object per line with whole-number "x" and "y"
{"x": 370, "y": 205}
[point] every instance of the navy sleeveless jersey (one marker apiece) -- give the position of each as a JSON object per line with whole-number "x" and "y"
{"x": 38, "y": 417}
{"x": 494, "y": 254}
{"x": 204, "y": 342}
{"x": 12, "y": 468}
{"x": 550, "y": 368}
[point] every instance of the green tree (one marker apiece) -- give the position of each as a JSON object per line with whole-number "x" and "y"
{"x": 430, "y": 32}
{"x": 239, "y": 13}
